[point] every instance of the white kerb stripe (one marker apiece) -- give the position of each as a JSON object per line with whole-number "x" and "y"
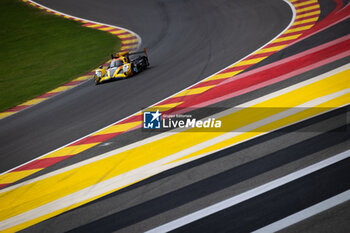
{"x": 248, "y": 194}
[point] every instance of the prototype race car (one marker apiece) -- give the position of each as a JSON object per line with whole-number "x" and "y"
{"x": 122, "y": 67}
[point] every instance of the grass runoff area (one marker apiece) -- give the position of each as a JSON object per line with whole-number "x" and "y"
{"x": 40, "y": 51}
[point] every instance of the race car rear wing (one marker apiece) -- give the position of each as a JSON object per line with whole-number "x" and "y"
{"x": 144, "y": 51}
{"x": 127, "y": 53}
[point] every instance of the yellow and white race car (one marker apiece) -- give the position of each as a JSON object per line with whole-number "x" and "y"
{"x": 122, "y": 67}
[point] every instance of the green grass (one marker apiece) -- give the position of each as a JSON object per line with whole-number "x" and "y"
{"x": 40, "y": 51}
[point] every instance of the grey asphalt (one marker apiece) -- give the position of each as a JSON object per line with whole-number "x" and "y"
{"x": 187, "y": 41}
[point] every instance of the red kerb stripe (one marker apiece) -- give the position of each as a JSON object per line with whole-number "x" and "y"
{"x": 95, "y": 138}
{"x": 46, "y": 95}
{"x": 3, "y": 185}
{"x": 18, "y": 108}
{"x": 305, "y": 6}
{"x": 41, "y": 163}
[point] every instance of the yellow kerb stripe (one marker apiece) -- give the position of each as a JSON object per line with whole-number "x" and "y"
{"x": 272, "y": 49}
{"x": 249, "y": 62}
{"x": 163, "y": 107}
{"x": 95, "y": 25}
{"x": 85, "y": 77}
{"x": 316, "y": 13}
{"x": 106, "y": 28}
{"x": 304, "y": 3}
{"x": 299, "y": 29}
{"x": 59, "y": 89}
{"x": 5, "y": 114}
{"x": 129, "y": 41}
{"x": 129, "y": 46}
{"x": 118, "y": 128}
{"x": 224, "y": 75}
{"x": 126, "y": 36}
{"x": 194, "y": 91}
{"x": 15, "y": 176}
{"x": 308, "y": 8}
{"x": 306, "y": 21}
{"x": 286, "y": 38}
{"x": 70, "y": 150}
{"x": 33, "y": 101}
{"x": 116, "y": 32}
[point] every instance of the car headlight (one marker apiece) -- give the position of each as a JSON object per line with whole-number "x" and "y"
{"x": 98, "y": 74}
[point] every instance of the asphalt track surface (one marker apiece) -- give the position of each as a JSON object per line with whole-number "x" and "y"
{"x": 187, "y": 40}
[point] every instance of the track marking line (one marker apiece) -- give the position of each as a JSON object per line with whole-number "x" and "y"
{"x": 306, "y": 213}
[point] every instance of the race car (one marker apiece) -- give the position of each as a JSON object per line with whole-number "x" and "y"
{"x": 122, "y": 67}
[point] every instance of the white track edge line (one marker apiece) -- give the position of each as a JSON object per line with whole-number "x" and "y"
{"x": 306, "y": 213}
{"x": 249, "y": 194}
